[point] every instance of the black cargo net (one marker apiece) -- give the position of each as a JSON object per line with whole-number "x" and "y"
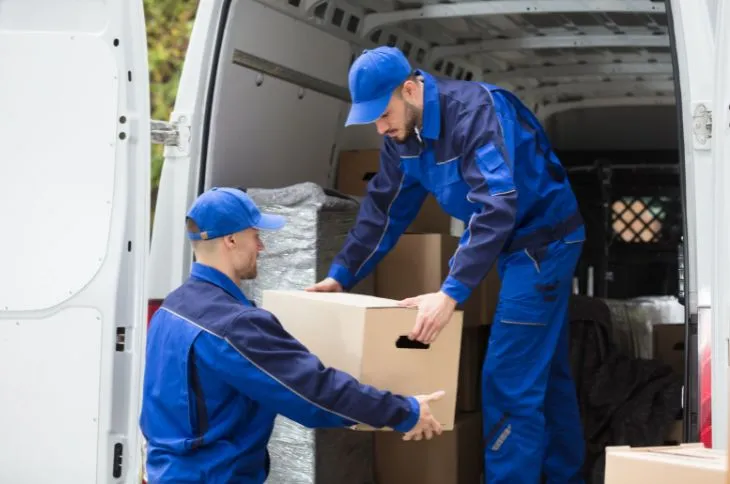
{"x": 638, "y": 219}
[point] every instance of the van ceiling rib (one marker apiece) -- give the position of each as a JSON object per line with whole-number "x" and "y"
{"x": 509, "y": 7}
{"x": 582, "y": 70}
{"x": 521, "y": 44}
{"x": 611, "y": 87}
{"x": 545, "y": 42}
{"x": 546, "y": 110}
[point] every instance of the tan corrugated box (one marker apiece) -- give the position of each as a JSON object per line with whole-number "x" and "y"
{"x": 454, "y": 457}
{"x": 356, "y": 169}
{"x": 419, "y": 263}
{"x": 687, "y": 463}
{"x": 367, "y": 337}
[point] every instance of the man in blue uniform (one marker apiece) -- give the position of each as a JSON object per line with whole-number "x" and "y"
{"x": 487, "y": 160}
{"x": 219, "y": 370}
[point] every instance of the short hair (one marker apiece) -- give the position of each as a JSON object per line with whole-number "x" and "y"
{"x": 191, "y": 225}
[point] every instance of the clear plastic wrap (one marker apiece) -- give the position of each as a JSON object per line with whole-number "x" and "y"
{"x": 633, "y": 321}
{"x": 300, "y": 455}
{"x": 295, "y": 257}
{"x": 298, "y": 255}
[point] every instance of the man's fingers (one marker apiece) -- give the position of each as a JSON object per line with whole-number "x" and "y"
{"x": 417, "y": 328}
{"x": 410, "y": 302}
{"x": 431, "y": 337}
{"x": 435, "y": 396}
{"x": 426, "y": 328}
{"x": 320, "y": 286}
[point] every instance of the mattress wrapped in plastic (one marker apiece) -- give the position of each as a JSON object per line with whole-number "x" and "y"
{"x": 295, "y": 257}
{"x": 301, "y": 455}
{"x": 633, "y": 321}
{"x": 300, "y": 254}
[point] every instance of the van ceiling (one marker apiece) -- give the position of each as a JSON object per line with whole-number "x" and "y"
{"x": 556, "y": 54}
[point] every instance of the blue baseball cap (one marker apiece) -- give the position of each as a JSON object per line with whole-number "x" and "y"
{"x": 373, "y": 77}
{"x": 225, "y": 211}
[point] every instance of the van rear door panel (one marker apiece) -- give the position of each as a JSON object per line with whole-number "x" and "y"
{"x": 74, "y": 193}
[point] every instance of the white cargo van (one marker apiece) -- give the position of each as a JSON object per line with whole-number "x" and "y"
{"x": 261, "y": 103}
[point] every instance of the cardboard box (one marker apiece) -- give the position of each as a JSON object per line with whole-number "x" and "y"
{"x": 675, "y": 433}
{"x": 366, "y": 337}
{"x": 357, "y": 168}
{"x": 419, "y": 263}
{"x": 473, "y": 350}
{"x": 668, "y": 345}
{"x": 666, "y": 465}
{"x": 454, "y": 457}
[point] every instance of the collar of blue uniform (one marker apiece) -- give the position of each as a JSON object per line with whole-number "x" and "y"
{"x": 217, "y": 278}
{"x": 431, "y": 107}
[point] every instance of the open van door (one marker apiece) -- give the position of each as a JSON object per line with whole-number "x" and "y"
{"x": 74, "y": 209}
{"x": 721, "y": 254}
{"x": 694, "y": 40}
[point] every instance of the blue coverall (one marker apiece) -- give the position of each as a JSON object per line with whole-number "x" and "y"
{"x": 487, "y": 160}
{"x": 218, "y": 372}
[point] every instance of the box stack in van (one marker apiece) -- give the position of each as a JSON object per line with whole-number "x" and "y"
{"x": 353, "y": 332}
{"x": 418, "y": 264}
{"x": 359, "y": 333}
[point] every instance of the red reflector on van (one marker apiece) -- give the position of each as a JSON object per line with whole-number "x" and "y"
{"x": 152, "y": 306}
{"x": 705, "y": 389}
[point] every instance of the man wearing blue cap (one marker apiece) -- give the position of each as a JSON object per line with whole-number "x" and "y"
{"x": 219, "y": 370}
{"x": 487, "y": 160}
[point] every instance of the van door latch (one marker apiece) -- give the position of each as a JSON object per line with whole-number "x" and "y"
{"x": 702, "y": 126}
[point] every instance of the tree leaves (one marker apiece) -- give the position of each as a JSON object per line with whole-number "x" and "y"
{"x": 169, "y": 23}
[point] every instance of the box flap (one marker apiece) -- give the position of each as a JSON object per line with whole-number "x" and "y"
{"x": 348, "y": 299}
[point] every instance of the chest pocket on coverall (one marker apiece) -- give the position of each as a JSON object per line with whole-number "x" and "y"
{"x": 437, "y": 178}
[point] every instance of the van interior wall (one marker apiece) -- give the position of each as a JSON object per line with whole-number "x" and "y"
{"x": 632, "y": 205}
{"x": 266, "y": 132}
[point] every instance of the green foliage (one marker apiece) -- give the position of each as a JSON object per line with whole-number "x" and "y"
{"x": 169, "y": 23}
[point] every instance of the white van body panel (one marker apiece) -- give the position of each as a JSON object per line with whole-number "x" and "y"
{"x": 721, "y": 222}
{"x": 74, "y": 204}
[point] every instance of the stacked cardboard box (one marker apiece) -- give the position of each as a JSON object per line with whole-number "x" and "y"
{"x": 356, "y": 169}
{"x": 669, "y": 465}
{"x": 366, "y": 336}
{"x": 418, "y": 264}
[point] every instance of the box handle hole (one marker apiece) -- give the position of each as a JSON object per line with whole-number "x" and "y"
{"x": 405, "y": 343}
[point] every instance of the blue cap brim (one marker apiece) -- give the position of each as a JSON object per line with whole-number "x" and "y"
{"x": 270, "y": 222}
{"x": 367, "y": 112}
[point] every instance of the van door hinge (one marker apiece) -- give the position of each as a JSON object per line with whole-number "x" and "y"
{"x": 164, "y": 133}
{"x": 702, "y": 125}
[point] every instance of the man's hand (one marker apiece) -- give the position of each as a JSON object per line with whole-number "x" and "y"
{"x": 326, "y": 285}
{"x": 434, "y": 311}
{"x": 427, "y": 425}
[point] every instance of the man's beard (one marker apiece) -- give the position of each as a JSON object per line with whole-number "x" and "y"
{"x": 249, "y": 273}
{"x": 411, "y": 116}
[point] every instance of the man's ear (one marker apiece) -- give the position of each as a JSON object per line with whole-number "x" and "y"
{"x": 229, "y": 241}
{"x": 408, "y": 89}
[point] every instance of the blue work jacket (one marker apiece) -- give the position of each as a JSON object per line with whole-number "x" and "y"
{"x": 488, "y": 162}
{"x": 219, "y": 370}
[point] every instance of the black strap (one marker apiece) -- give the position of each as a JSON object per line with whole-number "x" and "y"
{"x": 545, "y": 235}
